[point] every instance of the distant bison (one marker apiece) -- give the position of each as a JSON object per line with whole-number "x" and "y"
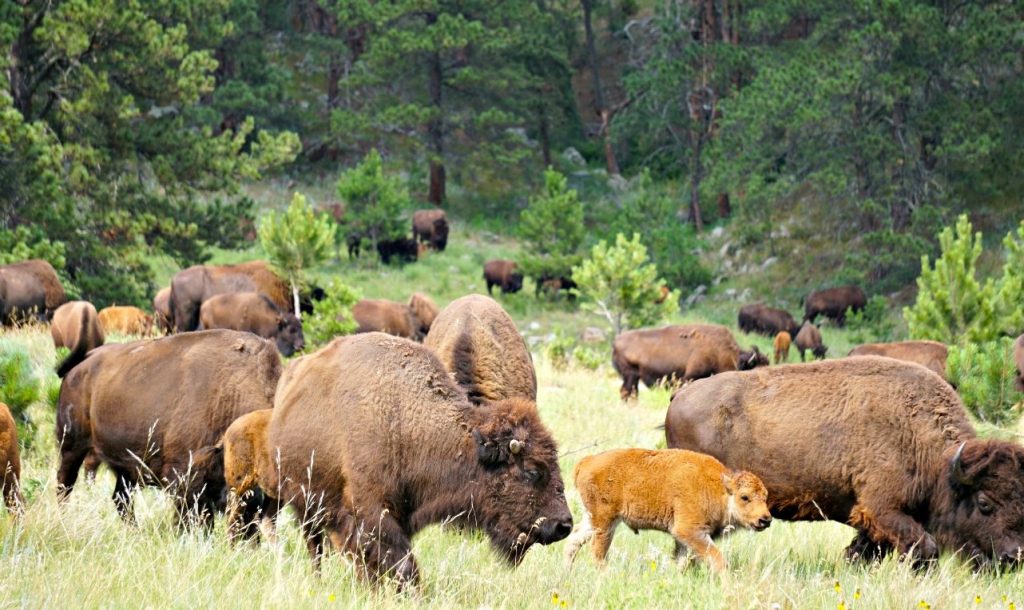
{"x": 679, "y": 353}
{"x": 757, "y": 318}
{"x": 376, "y": 442}
{"x": 27, "y": 287}
{"x": 192, "y": 286}
{"x": 393, "y": 318}
{"x": 405, "y": 250}
{"x": 431, "y": 227}
{"x": 10, "y": 461}
{"x": 162, "y": 310}
{"x": 424, "y": 311}
{"x": 125, "y": 320}
{"x": 809, "y": 339}
{"x": 254, "y": 313}
{"x": 250, "y": 473}
{"x": 882, "y": 445}
{"x": 478, "y": 343}
{"x": 833, "y": 303}
{"x": 781, "y": 345}
{"x": 1018, "y": 356}
{"x": 503, "y": 274}
{"x": 689, "y": 495}
{"x": 555, "y": 284}
{"x": 930, "y": 354}
{"x": 146, "y": 409}
{"x": 75, "y": 326}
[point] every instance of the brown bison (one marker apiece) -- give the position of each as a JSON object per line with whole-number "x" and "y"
{"x": 254, "y": 313}
{"x": 403, "y": 249}
{"x": 503, "y": 274}
{"x": 162, "y": 310}
{"x": 191, "y": 287}
{"x": 147, "y": 408}
{"x": 1018, "y": 357}
{"x": 781, "y": 345}
{"x": 833, "y": 303}
{"x": 689, "y": 495}
{"x": 27, "y": 287}
{"x": 10, "y": 461}
{"x": 424, "y": 311}
{"x": 757, "y": 318}
{"x": 479, "y": 344}
{"x": 250, "y": 473}
{"x": 809, "y": 338}
{"x": 399, "y": 319}
{"x": 678, "y": 353}
{"x": 376, "y": 442}
{"x": 882, "y": 445}
{"x": 126, "y": 320}
{"x": 554, "y": 284}
{"x": 75, "y": 326}
{"x": 929, "y": 354}
{"x": 431, "y": 227}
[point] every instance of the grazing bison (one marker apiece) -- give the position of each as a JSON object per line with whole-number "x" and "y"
{"x": 126, "y": 320}
{"x": 929, "y": 354}
{"x": 689, "y": 495}
{"x": 781, "y": 345}
{"x": 29, "y": 286}
{"x": 553, "y": 284}
{"x": 478, "y": 343}
{"x": 503, "y": 274}
{"x": 381, "y": 315}
{"x": 162, "y": 310}
{"x": 1018, "y": 357}
{"x": 404, "y": 249}
{"x": 254, "y": 313}
{"x": 809, "y": 338}
{"x": 833, "y": 303}
{"x": 424, "y": 311}
{"x": 10, "y": 461}
{"x": 147, "y": 408}
{"x": 376, "y": 442}
{"x": 882, "y": 445}
{"x": 250, "y": 473}
{"x": 75, "y": 326}
{"x": 757, "y": 318}
{"x": 191, "y": 287}
{"x": 431, "y": 227}
{"x": 680, "y": 353}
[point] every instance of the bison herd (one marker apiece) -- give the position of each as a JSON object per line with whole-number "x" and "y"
{"x": 426, "y": 416}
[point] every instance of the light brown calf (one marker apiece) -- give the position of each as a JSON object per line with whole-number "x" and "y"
{"x": 782, "y": 342}
{"x": 126, "y": 320}
{"x": 250, "y": 472}
{"x": 692, "y": 496}
{"x": 10, "y": 462}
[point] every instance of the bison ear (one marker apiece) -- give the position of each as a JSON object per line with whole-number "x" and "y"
{"x": 729, "y": 481}
{"x": 281, "y": 322}
{"x": 487, "y": 450}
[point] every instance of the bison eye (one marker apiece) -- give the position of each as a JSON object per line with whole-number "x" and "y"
{"x": 745, "y": 498}
{"x": 531, "y": 475}
{"x": 984, "y": 505}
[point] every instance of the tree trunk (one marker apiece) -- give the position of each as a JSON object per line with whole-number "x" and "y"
{"x": 600, "y": 104}
{"x": 544, "y": 129}
{"x": 435, "y": 127}
{"x": 295, "y": 299}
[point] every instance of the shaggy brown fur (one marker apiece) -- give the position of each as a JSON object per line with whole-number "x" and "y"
{"x": 1018, "y": 357}
{"x": 254, "y": 313}
{"x": 424, "y": 311}
{"x": 126, "y": 320}
{"x": 781, "y": 345}
{"x": 833, "y": 303}
{"x": 10, "y": 462}
{"x": 146, "y": 408}
{"x": 250, "y": 473}
{"x": 75, "y": 326}
{"x": 689, "y": 495}
{"x": 757, "y": 318}
{"x": 381, "y": 315}
{"x": 504, "y": 274}
{"x": 479, "y": 344}
{"x": 162, "y": 310}
{"x": 929, "y": 354}
{"x": 192, "y": 286}
{"x": 29, "y": 286}
{"x": 377, "y": 442}
{"x": 431, "y": 226}
{"x": 867, "y": 441}
{"x": 809, "y": 338}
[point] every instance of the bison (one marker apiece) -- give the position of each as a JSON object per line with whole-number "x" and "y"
{"x": 689, "y": 495}
{"x": 833, "y": 303}
{"x": 681, "y": 353}
{"x": 376, "y": 442}
{"x": 478, "y": 343}
{"x": 27, "y": 287}
{"x": 192, "y": 286}
{"x": 254, "y": 313}
{"x": 431, "y": 227}
{"x": 880, "y": 444}
{"x": 930, "y": 354}
{"x": 75, "y": 326}
{"x": 10, "y": 462}
{"x": 1018, "y": 357}
{"x": 403, "y": 249}
{"x": 553, "y": 284}
{"x": 147, "y": 408}
{"x": 126, "y": 320}
{"x": 424, "y": 311}
{"x": 809, "y": 338}
{"x": 401, "y": 320}
{"x": 781, "y": 344}
{"x": 162, "y": 310}
{"x": 757, "y": 318}
{"x": 250, "y": 473}
{"x": 503, "y": 274}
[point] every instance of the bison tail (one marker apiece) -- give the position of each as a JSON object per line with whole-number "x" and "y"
{"x": 81, "y": 347}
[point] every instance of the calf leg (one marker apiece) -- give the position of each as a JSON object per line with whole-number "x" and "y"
{"x": 604, "y": 531}
{"x": 700, "y": 543}
{"x": 581, "y": 535}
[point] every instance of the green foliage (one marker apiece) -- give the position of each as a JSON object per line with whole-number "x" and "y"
{"x": 19, "y": 385}
{"x": 332, "y": 315}
{"x": 559, "y": 350}
{"x": 374, "y": 200}
{"x": 297, "y": 240}
{"x": 552, "y": 229}
{"x": 872, "y": 324}
{"x": 590, "y": 358}
{"x": 621, "y": 284}
{"x": 983, "y": 374}
{"x": 1009, "y": 298}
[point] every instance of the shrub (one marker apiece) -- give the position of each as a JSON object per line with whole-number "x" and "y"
{"x": 19, "y": 385}
{"x": 559, "y": 349}
{"x": 591, "y": 358}
{"x": 871, "y": 324}
{"x": 983, "y": 374}
{"x": 552, "y": 229}
{"x": 332, "y": 315}
{"x": 1010, "y": 289}
{"x": 374, "y": 201}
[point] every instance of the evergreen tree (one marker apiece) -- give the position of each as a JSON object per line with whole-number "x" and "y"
{"x": 374, "y": 201}
{"x": 552, "y": 229}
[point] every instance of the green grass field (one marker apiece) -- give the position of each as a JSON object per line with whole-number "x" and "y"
{"x": 82, "y": 555}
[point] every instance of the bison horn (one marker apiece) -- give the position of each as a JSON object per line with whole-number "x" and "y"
{"x": 957, "y": 468}
{"x": 515, "y": 446}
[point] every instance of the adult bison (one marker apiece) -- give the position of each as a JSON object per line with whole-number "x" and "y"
{"x": 147, "y": 408}
{"x": 757, "y": 318}
{"x": 503, "y": 274}
{"x": 376, "y": 442}
{"x": 681, "y": 353}
{"x": 75, "y": 326}
{"x": 126, "y": 320}
{"x": 809, "y": 339}
{"x": 162, "y": 310}
{"x": 882, "y": 445}
{"x": 431, "y": 227}
{"x": 254, "y": 313}
{"x": 404, "y": 249}
{"x": 192, "y": 286}
{"x": 833, "y": 303}
{"x": 478, "y": 343}
{"x": 929, "y": 354}
{"x": 27, "y": 287}
{"x": 411, "y": 321}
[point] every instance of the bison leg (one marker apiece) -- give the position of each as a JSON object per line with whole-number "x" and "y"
{"x": 579, "y": 537}
{"x": 245, "y": 512}
{"x": 71, "y": 459}
{"x": 383, "y": 547}
{"x": 603, "y": 534}
{"x": 122, "y": 496}
{"x": 701, "y": 545}
{"x": 863, "y": 548}
{"x": 630, "y": 385}
{"x": 893, "y": 529}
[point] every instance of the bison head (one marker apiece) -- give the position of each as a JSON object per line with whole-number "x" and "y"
{"x": 748, "y": 500}
{"x": 819, "y": 351}
{"x": 752, "y": 359}
{"x": 522, "y": 500}
{"x": 984, "y": 517}
{"x": 514, "y": 283}
{"x": 289, "y": 335}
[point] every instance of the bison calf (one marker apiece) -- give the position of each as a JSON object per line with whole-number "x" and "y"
{"x": 809, "y": 338}
{"x": 126, "y": 320}
{"x": 692, "y": 496}
{"x": 10, "y": 461}
{"x": 781, "y": 344}
{"x": 250, "y": 473}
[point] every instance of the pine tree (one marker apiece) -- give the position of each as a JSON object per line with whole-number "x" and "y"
{"x": 552, "y": 229}
{"x": 374, "y": 201}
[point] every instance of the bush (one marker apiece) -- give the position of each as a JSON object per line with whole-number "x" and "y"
{"x": 19, "y": 385}
{"x": 558, "y": 350}
{"x": 296, "y": 240}
{"x": 983, "y": 374}
{"x": 591, "y": 358}
{"x": 332, "y": 315}
{"x": 871, "y": 324}
{"x": 552, "y": 229}
{"x": 374, "y": 201}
